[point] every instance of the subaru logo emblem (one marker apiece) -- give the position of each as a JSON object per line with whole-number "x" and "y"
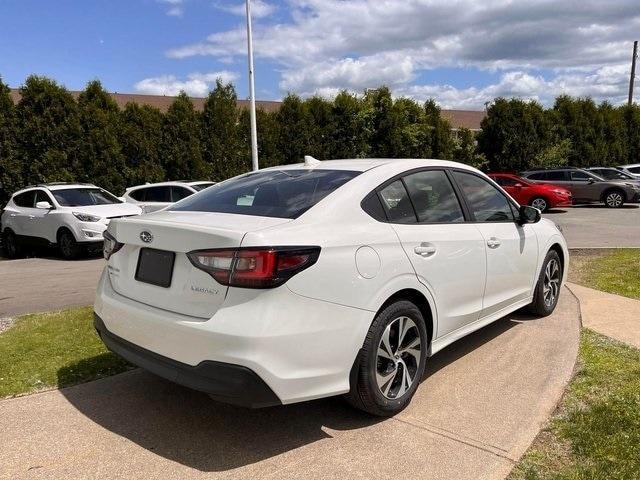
{"x": 146, "y": 237}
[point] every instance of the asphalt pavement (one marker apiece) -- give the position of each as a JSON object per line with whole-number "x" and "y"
{"x": 482, "y": 402}
{"x": 596, "y": 226}
{"x": 33, "y": 285}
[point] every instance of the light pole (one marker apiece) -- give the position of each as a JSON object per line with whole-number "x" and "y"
{"x": 252, "y": 93}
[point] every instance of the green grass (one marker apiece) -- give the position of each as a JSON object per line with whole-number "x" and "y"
{"x": 615, "y": 272}
{"x": 595, "y": 433}
{"x": 56, "y": 349}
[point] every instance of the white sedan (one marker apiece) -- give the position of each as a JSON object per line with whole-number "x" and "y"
{"x": 323, "y": 278}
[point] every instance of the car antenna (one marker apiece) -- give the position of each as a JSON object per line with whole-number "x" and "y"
{"x": 311, "y": 162}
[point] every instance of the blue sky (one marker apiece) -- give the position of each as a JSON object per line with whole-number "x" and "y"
{"x": 460, "y": 52}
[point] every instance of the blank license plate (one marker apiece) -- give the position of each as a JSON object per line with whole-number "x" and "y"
{"x": 155, "y": 267}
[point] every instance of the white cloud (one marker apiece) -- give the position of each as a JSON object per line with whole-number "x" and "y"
{"x": 175, "y": 7}
{"x": 332, "y": 44}
{"x": 195, "y": 85}
{"x": 259, "y": 8}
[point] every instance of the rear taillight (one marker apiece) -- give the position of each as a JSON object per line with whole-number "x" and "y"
{"x": 110, "y": 245}
{"x": 254, "y": 267}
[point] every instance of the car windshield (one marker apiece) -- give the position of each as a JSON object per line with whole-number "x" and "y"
{"x": 612, "y": 174}
{"x": 272, "y": 193}
{"x": 201, "y": 186}
{"x": 83, "y": 197}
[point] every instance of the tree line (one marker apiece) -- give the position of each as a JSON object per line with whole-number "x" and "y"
{"x": 52, "y": 136}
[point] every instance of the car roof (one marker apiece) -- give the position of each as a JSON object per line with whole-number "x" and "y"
{"x": 55, "y": 186}
{"x": 629, "y": 165}
{"x": 176, "y": 183}
{"x": 364, "y": 164}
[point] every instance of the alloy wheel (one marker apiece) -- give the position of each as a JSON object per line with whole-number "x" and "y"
{"x": 398, "y": 357}
{"x": 539, "y": 203}
{"x": 551, "y": 282}
{"x": 614, "y": 199}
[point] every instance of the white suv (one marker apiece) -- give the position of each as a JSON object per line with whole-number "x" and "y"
{"x": 325, "y": 278}
{"x": 632, "y": 169}
{"x": 152, "y": 197}
{"x": 70, "y": 216}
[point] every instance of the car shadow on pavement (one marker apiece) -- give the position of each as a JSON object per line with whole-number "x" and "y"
{"x": 188, "y": 427}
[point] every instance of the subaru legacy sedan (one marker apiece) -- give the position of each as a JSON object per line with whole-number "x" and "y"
{"x": 324, "y": 278}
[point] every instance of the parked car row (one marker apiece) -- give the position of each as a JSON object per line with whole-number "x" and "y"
{"x": 558, "y": 187}
{"x": 73, "y": 216}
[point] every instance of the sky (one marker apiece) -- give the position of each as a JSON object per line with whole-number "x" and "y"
{"x": 462, "y": 53}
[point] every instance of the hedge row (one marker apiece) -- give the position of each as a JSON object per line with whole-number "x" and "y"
{"x": 51, "y": 136}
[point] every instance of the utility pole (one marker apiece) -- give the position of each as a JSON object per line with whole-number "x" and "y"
{"x": 633, "y": 71}
{"x": 252, "y": 93}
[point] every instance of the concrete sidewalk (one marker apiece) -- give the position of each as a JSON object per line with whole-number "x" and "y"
{"x": 482, "y": 402}
{"x": 611, "y": 315}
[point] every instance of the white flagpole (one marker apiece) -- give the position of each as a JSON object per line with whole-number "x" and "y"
{"x": 252, "y": 93}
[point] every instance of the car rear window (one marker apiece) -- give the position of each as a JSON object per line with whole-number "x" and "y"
{"x": 271, "y": 193}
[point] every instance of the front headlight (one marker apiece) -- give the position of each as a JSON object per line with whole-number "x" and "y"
{"x": 85, "y": 217}
{"x": 110, "y": 245}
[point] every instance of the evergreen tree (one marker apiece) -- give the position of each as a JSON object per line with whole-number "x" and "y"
{"x": 350, "y": 134}
{"x": 48, "y": 132}
{"x": 465, "y": 149}
{"x": 268, "y": 138}
{"x": 321, "y": 126}
{"x": 442, "y": 143}
{"x": 631, "y": 131}
{"x": 514, "y": 132}
{"x": 381, "y": 117}
{"x": 413, "y": 135}
{"x": 181, "y": 149}
{"x": 99, "y": 153}
{"x": 293, "y": 139}
{"x": 141, "y": 140}
{"x": 10, "y": 167}
{"x": 221, "y": 148}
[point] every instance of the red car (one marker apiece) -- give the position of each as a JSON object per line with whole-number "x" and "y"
{"x": 538, "y": 195}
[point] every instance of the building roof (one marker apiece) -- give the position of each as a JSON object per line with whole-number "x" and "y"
{"x": 458, "y": 118}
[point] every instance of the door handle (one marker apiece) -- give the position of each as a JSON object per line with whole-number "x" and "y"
{"x": 493, "y": 242}
{"x": 31, "y": 217}
{"x": 425, "y": 250}
{"x": 14, "y": 215}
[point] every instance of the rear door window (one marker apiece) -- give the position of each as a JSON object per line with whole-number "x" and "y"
{"x": 433, "y": 197}
{"x": 560, "y": 176}
{"x": 25, "y": 199}
{"x": 580, "y": 176}
{"x": 269, "y": 193}
{"x": 634, "y": 169}
{"x": 139, "y": 194}
{"x": 538, "y": 176}
{"x": 158, "y": 194}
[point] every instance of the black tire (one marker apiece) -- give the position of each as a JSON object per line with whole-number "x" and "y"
{"x": 547, "y": 290}
{"x": 11, "y": 245}
{"x": 366, "y": 394}
{"x": 540, "y": 203}
{"x": 614, "y": 198}
{"x": 68, "y": 246}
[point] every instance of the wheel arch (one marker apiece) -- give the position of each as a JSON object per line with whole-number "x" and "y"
{"x": 63, "y": 228}
{"x": 419, "y": 300}
{"x": 609, "y": 190}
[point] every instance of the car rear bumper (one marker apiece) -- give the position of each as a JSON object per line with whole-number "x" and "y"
{"x": 301, "y": 348}
{"x": 225, "y": 382}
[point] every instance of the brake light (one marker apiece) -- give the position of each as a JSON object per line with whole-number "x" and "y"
{"x": 254, "y": 267}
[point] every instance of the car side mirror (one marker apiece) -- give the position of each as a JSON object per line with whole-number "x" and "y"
{"x": 44, "y": 206}
{"x": 529, "y": 215}
{"x": 591, "y": 180}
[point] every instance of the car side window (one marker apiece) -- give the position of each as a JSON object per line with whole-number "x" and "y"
{"x": 556, "y": 176}
{"x": 42, "y": 196}
{"x": 25, "y": 199}
{"x": 486, "y": 202}
{"x": 178, "y": 193}
{"x": 396, "y": 203}
{"x": 158, "y": 194}
{"x": 538, "y": 176}
{"x": 580, "y": 176}
{"x": 433, "y": 197}
{"x": 139, "y": 194}
{"x": 634, "y": 169}
{"x": 505, "y": 181}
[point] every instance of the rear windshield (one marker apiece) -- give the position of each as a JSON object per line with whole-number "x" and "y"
{"x": 272, "y": 193}
{"x": 83, "y": 197}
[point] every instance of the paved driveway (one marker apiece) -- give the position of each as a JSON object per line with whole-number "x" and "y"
{"x": 39, "y": 284}
{"x": 481, "y": 404}
{"x": 593, "y": 226}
